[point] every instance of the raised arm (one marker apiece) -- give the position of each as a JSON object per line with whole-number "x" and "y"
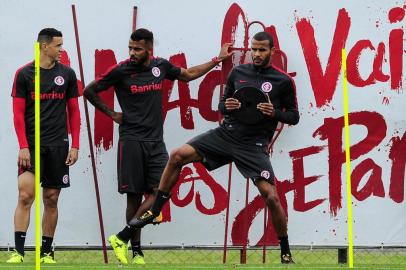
{"x": 195, "y": 72}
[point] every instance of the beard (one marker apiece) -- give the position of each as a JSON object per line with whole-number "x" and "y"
{"x": 140, "y": 61}
{"x": 264, "y": 63}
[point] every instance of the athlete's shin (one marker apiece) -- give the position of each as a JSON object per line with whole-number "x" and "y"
{"x": 26, "y": 196}
{"x": 279, "y": 219}
{"x": 50, "y": 216}
{"x": 161, "y": 198}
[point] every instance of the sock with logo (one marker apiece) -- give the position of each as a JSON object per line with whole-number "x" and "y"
{"x": 136, "y": 248}
{"x": 19, "y": 239}
{"x": 284, "y": 243}
{"x": 161, "y": 198}
{"x": 46, "y": 247}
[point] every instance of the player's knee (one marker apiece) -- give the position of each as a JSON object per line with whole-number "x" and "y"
{"x": 26, "y": 198}
{"x": 177, "y": 158}
{"x": 272, "y": 199}
{"x": 51, "y": 200}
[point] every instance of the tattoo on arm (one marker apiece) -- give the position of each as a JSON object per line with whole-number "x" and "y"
{"x": 90, "y": 92}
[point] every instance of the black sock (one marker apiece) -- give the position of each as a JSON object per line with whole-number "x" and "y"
{"x": 46, "y": 244}
{"x": 126, "y": 234}
{"x": 136, "y": 248}
{"x": 284, "y": 243}
{"x": 161, "y": 198}
{"x": 19, "y": 240}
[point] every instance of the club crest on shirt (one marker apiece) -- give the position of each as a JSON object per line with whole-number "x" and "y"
{"x": 265, "y": 174}
{"x": 65, "y": 179}
{"x": 156, "y": 71}
{"x": 59, "y": 80}
{"x": 266, "y": 87}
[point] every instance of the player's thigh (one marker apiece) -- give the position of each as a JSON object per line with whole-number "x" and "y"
{"x": 253, "y": 162}
{"x": 130, "y": 167}
{"x": 55, "y": 172}
{"x": 266, "y": 189}
{"x": 213, "y": 150}
{"x": 157, "y": 158}
{"x": 26, "y": 183}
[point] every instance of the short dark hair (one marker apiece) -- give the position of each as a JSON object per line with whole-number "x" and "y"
{"x": 143, "y": 34}
{"x": 261, "y": 36}
{"x": 47, "y": 34}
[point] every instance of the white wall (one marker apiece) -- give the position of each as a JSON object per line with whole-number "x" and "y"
{"x": 196, "y": 29}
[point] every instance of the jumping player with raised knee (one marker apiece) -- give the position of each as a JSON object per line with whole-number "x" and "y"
{"x": 239, "y": 142}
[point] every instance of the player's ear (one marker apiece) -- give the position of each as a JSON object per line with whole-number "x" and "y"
{"x": 42, "y": 45}
{"x": 150, "y": 46}
{"x": 272, "y": 50}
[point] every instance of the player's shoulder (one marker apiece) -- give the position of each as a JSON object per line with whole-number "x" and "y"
{"x": 121, "y": 65}
{"x": 65, "y": 71}
{"x": 283, "y": 75}
{"x": 158, "y": 61}
{"x": 243, "y": 67}
{"x": 25, "y": 68}
{"x": 243, "y": 70}
{"x": 64, "y": 67}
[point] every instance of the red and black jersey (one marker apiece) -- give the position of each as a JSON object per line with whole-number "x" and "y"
{"x": 57, "y": 86}
{"x": 139, "y": 93}
{"x": 281, "y": 91}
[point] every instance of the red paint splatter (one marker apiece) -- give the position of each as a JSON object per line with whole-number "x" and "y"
{"x": 332, "y": 131}
{"x": 324, "y": 83}
{"x": 103, "y": 125}
{"x": 396, "y": 14}
{"x": 398, "y": 156}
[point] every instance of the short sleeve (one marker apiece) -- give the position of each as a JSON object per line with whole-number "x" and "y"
{"x": 172, "y": 71}
{"x": 19, "y": 85}
{"x": 109, "y": 78}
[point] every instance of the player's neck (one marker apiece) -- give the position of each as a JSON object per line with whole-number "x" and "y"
{"x": 264, "y": 67}
{"x": 146, "y": 63}
{"x": 46, "y": 62}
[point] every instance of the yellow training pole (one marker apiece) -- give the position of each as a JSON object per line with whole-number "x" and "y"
{"x": 37, "y": 162}
{"x": 347, "y": 161}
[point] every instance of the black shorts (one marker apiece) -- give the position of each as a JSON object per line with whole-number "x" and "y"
{"x": 140, "y": 165}
{"x": 217, "y": 148}
{"x": 54, "y": 172}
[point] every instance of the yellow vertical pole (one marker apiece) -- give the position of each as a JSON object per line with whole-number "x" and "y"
{"x": 347, "y": 162}
{"x": 37, "y": 160}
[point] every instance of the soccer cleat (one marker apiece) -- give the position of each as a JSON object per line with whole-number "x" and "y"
{"x": 120, "y": 249}
{"x": 146, "y": 218}
{"x": 15, "y": 257}
{"x": 158, "y": 220}
{"x": 138, "y": 258}
{"x": 287, "y": 259}
{"x": 47, "y": 258}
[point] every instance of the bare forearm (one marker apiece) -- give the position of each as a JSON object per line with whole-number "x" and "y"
{"x": 196, "y": 71}
{"x": 91, "y": 95}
